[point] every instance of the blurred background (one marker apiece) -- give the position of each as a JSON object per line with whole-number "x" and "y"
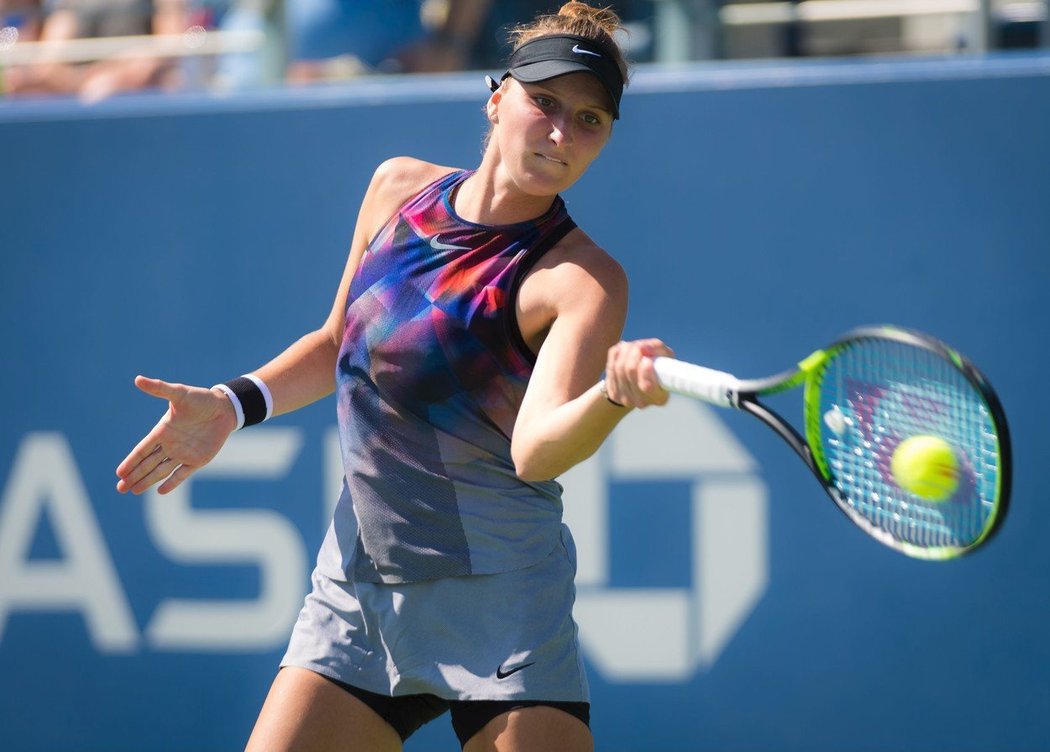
{"x": 96, "y": 48}
{"x": 178, "y": 187}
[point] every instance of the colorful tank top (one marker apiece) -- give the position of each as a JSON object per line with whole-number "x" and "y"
{"x": 431, "y": 373}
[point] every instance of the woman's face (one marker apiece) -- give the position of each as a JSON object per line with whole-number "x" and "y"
{"x": 548, "y": 133}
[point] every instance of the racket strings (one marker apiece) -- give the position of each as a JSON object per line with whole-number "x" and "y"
{"x": 885, "y": 392}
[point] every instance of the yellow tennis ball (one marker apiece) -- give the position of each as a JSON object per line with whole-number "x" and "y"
{"x": 926, "y": 466}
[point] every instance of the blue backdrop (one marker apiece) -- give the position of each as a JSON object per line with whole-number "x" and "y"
{"x": 759, "y": 210}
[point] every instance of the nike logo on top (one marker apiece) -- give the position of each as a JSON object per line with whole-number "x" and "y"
{"x": 580, "y": 51}
{"x": 501, "y": 674}
{"x": 437, "y": 245}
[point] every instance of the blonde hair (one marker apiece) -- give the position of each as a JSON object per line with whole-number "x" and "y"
{"x": 579, "y": 19}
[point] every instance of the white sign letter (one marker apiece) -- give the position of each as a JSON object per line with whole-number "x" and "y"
{"x": 44, "y": 478}
{"x": 264, "y": 538}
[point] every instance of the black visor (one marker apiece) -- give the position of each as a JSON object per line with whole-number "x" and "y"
{"x": 558, "y": 54}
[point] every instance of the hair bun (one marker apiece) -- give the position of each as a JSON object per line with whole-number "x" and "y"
{"x": 604, "y": 18}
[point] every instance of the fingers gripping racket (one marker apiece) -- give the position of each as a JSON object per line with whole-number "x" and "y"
{"x": 905, "y": 435}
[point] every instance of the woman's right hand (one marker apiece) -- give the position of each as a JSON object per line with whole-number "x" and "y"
{"x": 630, "y": 379}
{"x": 190, "y": 434}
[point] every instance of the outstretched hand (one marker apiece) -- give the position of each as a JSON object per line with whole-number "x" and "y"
{"x": 190, "y": 434}
{"x": 630, "y": 378}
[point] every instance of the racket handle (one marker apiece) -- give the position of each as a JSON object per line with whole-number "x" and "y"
{"x": 717, "y": 387}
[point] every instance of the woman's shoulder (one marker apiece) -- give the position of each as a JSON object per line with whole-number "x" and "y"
{"x": 394, "y": 182}
{"x": 577, "y": 254}
{"x": 399, "y": 178}
{"x": 577, "y": 274}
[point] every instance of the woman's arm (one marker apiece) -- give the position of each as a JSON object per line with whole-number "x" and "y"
{"x": 305, "y": 372}
{"x": 577, "y": 295}
{"x": 198, "y": 420}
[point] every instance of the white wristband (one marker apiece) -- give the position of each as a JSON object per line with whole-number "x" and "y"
{"x": 237, "y": 409}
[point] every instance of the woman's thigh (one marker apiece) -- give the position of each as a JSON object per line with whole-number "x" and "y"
{"x": 534, "y": 728}
{"x": 307, "y": 713}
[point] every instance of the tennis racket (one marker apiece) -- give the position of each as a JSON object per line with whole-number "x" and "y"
{"x": 862, "y": 397}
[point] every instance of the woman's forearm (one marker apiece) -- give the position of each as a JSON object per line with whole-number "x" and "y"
{"x": 303, "y": 373}
{"x": 567, "y": 435}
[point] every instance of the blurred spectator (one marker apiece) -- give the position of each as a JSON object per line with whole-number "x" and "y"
{"x": 20, "y": 21}
{"x": 339, "y": 38}
{"x": 73, "y": 19}
{"x": 457, "y": 29}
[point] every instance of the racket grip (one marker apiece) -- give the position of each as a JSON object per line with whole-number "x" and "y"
{"x": 717, "y": 387}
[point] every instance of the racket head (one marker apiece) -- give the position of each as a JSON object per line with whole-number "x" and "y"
{"x": 876, "y": 387}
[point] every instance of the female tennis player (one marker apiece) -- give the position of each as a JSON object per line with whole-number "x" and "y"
{"x": 466, "y": 345}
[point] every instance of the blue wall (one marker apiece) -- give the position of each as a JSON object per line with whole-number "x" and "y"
{"x": 759, "y": 210}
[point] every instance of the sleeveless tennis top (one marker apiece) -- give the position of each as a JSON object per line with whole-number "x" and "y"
{"x": 431, "y": 373}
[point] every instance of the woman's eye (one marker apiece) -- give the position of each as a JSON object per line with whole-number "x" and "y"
{"x": 544, "y": 101}
{"x": 591, "y": 119}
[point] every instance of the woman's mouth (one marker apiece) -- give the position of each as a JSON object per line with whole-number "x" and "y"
{"x": 555, "y": 160}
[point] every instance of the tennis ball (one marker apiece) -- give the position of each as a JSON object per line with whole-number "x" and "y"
{"x": 926, "y": 466}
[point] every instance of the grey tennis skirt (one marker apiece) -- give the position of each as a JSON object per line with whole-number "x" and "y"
{"x": 505, "y": 636}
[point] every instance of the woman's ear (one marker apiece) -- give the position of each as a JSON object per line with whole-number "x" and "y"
{"x": 492, "y": 107}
